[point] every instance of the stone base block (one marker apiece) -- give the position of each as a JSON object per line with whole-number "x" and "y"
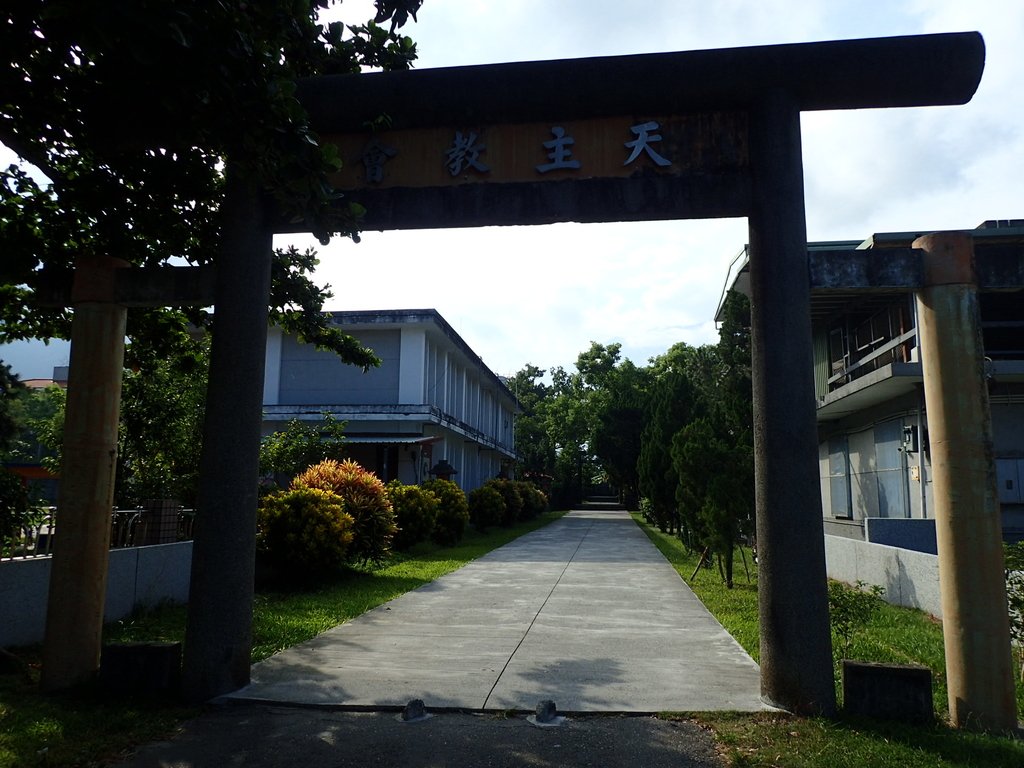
{"x": 888, "y": 691}
{"x": 149, "y": 669}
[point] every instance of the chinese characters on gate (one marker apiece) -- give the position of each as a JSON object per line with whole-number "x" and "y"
{"x": 465, "y": 152}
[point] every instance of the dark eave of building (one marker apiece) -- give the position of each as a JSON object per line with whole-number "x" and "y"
{"x": 846, "y": 276}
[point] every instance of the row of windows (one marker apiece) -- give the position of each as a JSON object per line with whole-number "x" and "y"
{"x": 458, "y": 391}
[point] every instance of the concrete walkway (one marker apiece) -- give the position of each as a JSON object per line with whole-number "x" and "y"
{"x": 585, "y": 612}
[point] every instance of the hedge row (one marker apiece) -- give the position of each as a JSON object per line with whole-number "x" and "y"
{"x": 505, "y": 502}
{"x": 335, "y": 513}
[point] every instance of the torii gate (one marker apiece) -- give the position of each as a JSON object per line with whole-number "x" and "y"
{"x": 698, "y": 134}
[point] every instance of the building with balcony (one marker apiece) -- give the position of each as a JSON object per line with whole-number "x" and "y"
{"x": 874, "y": 456}
{"x": 432, "y": 399}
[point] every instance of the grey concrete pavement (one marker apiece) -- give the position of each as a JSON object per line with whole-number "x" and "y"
{"x": 585, "y": 612}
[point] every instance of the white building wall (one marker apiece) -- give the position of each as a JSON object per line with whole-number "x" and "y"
{"x": 863, "y": 485}
{"x": 462, "y": 380}
{"x": 824, "y": 475}
{"x": 412, "y": 373}
{"x": 435, "y": 383}
{"x": 425, "y": 365}
{"x": 272, "y": 369}
{"x": 475, "y": 403}
{"x": 451, "y": 384}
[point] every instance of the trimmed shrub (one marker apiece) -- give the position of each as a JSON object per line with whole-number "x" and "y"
{"x": 304, "y": 532}
{"x": 486, "y": 507}
{"x": 513, "y": 501}
{"x": 365, "y": 499}
{"x": 1013, "y": 563}
{"x": 850, "y": 608}
{"x": 16, "y": 511}
{"x": 535, "y": 503}
{"x": 452, "y": 514}
{"x": 415, "y": 512}
{"x": 647, "y": 510}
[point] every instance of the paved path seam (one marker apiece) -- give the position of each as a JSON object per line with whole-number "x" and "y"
{"x": 535, "y": 617}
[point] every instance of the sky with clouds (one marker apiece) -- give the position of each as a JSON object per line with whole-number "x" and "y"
{"x": 540, "y": 295}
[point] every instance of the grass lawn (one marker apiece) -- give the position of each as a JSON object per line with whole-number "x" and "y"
{"x": 85, "y": 728}
{"x": 894, "y": 635}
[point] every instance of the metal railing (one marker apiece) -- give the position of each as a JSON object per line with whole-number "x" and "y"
{"x": 844, "y": 373}
{"x": 141, "y": 526}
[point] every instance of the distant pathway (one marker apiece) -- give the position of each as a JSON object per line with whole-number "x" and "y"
{"x": 585, "y": 611}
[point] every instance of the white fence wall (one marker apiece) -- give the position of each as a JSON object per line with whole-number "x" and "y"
{"x": 911, "y": 579}
{"x": 137, "y": 577}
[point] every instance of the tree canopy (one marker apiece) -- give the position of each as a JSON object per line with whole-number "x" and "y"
{"x": 675, "y": 435}
{"x": 300, "y": 445}
{"x": 129, "y": 109}
{"x": 10, "y": 388}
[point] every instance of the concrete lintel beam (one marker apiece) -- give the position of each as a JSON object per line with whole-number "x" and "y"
{"x": 143, "y": 287}
{"x": 896, "y": 269}
{"x": 907, "y": 71}
{"x": 997, "y": 268}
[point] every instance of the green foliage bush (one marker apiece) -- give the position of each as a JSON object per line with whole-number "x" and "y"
{"x": 1014, "y": 565}
{"x": 535, "y": 502}
{"x": 300, "y": 445}
{"x": 851, "y": 608}
{"x": 513, "y": 500}
{"x": 304, "y": 532}
{"x": 452, "y": 514}
{"x": 415, "y": 513}
{"x": 366, "y": 500}
{"x": 17, "y": 511}
{"x": 647, "y": 511}
{"x": 486, "y": 507}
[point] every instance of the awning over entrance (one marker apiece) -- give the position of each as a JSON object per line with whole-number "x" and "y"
{"x": 391, "y": 439}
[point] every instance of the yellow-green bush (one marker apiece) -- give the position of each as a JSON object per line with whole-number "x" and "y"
{"x": 365, "y": 499}
{"x": 513, "y": 500}
{"x": 535, "y": 502}
{"x": 452, "y": 514}
{"x": 486, "y": 507}
{"x": 415, "y": 512}
{"x": 304, "y": 531}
